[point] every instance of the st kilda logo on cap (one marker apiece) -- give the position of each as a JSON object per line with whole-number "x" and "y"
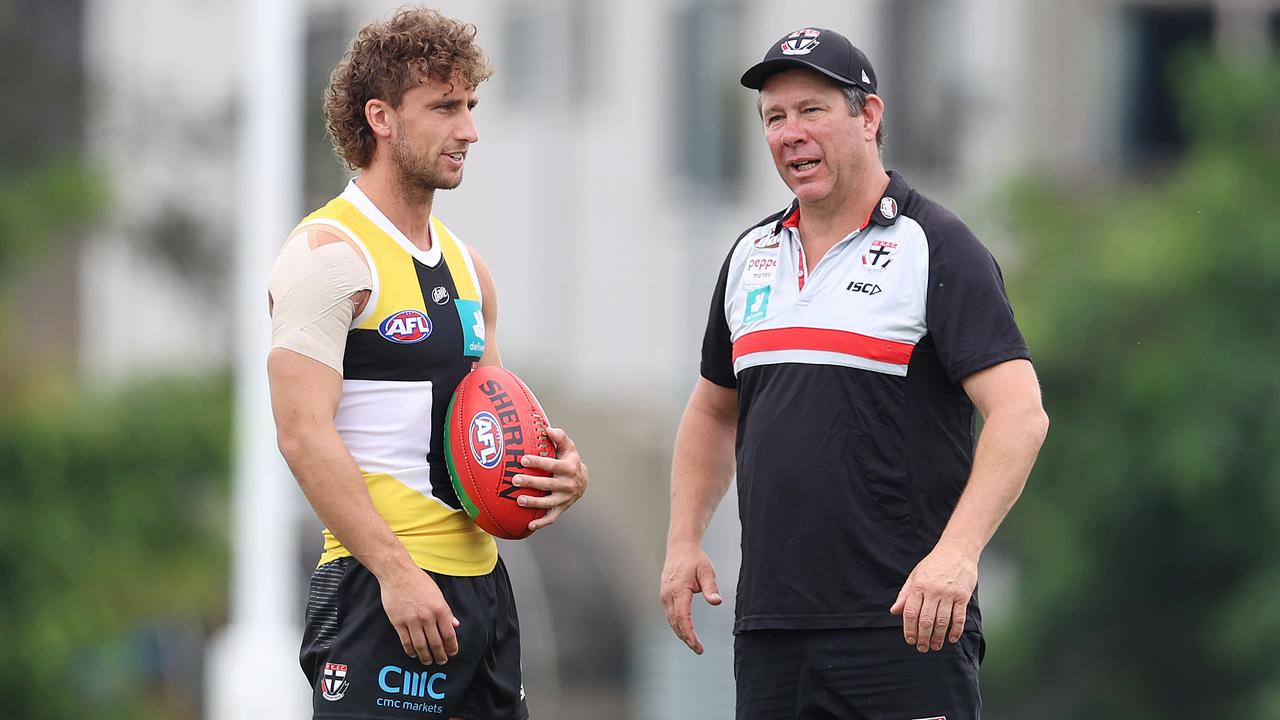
{"x": 801, "y": 42}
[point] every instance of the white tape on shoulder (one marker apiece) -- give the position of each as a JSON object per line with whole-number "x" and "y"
{"x": 311, "y": 287}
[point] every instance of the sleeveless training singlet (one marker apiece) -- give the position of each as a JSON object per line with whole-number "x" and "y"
{"x": 420, "y": 332}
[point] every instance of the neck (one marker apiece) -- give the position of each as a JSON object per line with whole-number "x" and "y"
{"x": 406, "y": 206}
{"x": 830, "y": 220}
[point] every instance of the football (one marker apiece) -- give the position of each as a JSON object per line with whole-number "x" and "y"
{"x": 493, "y": 421}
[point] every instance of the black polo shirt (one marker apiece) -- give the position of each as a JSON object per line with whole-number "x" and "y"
{"x": 855, "y": 438}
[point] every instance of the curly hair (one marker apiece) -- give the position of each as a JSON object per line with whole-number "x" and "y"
{"x": 385, "y": 61}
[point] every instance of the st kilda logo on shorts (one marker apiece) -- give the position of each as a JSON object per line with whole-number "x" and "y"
{"x": 801, "y": 42}
{"x": 333, "y": 682}
{"x": 406, "y": 327}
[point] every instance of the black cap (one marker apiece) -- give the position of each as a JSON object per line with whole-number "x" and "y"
{"x": 826, "y": 51}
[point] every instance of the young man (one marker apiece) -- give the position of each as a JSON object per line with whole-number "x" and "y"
{"x": 851, "y": 336}
{"x": 378, "y": 311}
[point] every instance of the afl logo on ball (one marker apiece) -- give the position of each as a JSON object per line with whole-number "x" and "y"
{"x": 800, "y": 42}
{"x": 406, "y": 327}
{"x": 485, "y": 439}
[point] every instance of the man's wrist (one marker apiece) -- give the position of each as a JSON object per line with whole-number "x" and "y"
{"x": 689, "y": 538}
{"x": 968, "y": 548}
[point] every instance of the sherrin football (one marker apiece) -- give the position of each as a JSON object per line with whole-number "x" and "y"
{"x": 494, "y": 421}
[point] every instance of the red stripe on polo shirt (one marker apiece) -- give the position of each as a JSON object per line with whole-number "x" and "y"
{"x": 824, "y": 340}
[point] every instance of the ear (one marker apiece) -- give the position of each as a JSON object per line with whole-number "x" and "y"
{"x": 379, "y": 115}
{"x": 872, "y": 116}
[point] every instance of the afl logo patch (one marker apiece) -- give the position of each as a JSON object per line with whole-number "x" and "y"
{"x": 800, "y": 42}
{"x": 888, "y": 208}
{"x": 440, "y": 295}
{"x": 485, "y": 438}
{"x": 406, "y": 327}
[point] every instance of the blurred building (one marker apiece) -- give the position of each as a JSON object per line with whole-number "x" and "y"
{"x": 618, "y": 160}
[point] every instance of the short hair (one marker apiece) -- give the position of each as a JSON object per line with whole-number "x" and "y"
{"x": 385, "y": 61}
{"x": 856, "y": 98}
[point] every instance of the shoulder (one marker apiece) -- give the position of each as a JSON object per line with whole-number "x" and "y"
{"x": 940, "y": 225}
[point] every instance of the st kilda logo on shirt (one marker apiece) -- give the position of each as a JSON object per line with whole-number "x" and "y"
{"x": 878, "y": 256}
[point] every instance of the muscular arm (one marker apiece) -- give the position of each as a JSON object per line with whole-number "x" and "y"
{"x": 937, "y": 592}
{"x": 304, "y": 400}
{"x": 701, "y": 470}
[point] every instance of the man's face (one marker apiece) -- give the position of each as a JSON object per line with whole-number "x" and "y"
{"x": 818, "y": 146}
{"x": 432, "y": 130}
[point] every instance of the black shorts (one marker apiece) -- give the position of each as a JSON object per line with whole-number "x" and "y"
{"x": 358, "y": 669}
{"x": 858, "y": 674}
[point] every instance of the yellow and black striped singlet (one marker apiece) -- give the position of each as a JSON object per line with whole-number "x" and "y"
{"x": 420, "y": 332}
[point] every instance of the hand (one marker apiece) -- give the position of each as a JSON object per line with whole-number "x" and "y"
{"x": 567, "y": 483}
{"x": 688, "y": 570}
{"x": 422, "y": 618}
{"x": 935, "y": 596}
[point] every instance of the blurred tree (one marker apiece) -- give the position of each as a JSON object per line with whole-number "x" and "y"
{"x": 1146, "y": 537}
{"x": 113, "y": 512}
{"x": 47, "y": 193}
{"x": 113, "y": 526}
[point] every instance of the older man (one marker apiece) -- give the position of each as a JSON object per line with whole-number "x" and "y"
{"x": 851, "y": 337}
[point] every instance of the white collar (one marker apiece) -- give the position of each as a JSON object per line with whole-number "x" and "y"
{"x": 354, "y": 195}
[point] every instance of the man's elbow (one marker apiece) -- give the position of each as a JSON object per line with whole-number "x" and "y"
{"x": 1038, "y": 425}
{"x": 292, "y": 442}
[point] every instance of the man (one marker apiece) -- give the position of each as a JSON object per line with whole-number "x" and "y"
{"x": 378, "y": 311}
{"x": 851, "y": 336}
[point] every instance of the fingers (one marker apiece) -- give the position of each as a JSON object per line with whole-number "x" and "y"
{"x": 942, "y": 620}
{"x": 406, "y": 641}
{"x": 548, "y": 501}
{"x": 958, "y": 613}
{"x": 563, "y": 467}
{"x": 707, "y": 581}
{"x": 564, "y": 444}
{"x": 680, "y": 580}
{"x": 448, "y": 637}
{"x": 680, "y": 617}
{"x": 928, "y": 615}
{"x": 421, "y": 642}
{"x": 546, "y": 520}
{"x": 911, "y": 605}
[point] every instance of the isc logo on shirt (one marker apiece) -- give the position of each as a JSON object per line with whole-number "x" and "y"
{"x": 406, "y": 327}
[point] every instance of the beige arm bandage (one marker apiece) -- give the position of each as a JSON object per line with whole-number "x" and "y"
{"x": 311, "y": 289}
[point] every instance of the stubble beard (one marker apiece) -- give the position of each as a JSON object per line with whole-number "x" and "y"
{"x": 417, "y": 176}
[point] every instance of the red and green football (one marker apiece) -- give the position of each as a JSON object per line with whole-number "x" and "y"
{"x": 493, "y": 421}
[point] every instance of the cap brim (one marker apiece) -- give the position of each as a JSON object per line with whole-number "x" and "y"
{"x": 755, "y": 76}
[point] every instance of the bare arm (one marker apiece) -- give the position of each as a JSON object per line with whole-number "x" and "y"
{"x": 937, "y": 592}
{"x": 701, "y": 471}
{"x": 304, "y": 399}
